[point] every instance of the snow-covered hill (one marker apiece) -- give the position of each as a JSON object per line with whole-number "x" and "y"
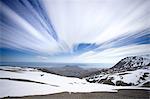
{"x": 131, "y": 63}
{"x": 17, "y": 81}
{"x": 130, "y": 71}
{"x": 128, "y": 78}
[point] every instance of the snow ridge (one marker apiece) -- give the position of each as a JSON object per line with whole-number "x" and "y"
{"x": 130, "y": 71}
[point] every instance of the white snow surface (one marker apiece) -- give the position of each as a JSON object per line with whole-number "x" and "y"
{"x": 134, "y": 77}
{"x": 41, "y": 83}
{"x": 52, "y": 83}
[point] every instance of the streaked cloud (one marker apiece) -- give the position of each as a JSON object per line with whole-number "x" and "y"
{"x": 95, "y": 31}
{"x": 113, "y": 55}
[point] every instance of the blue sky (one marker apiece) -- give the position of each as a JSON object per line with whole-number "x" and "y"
{"x": 73, "y": 31}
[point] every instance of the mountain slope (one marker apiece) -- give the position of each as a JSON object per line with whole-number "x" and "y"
{"x": 131, "y": 63}
{"x": 128, "y": 78}
{"x": 17, "y": 81}
{"x": 130, "y": 71}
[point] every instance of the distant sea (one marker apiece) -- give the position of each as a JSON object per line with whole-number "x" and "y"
{"x": 44, "y": 64}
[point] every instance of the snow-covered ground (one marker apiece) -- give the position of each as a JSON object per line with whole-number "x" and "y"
{"x": 17, "y": 81}
{"x": 136, "y": 78}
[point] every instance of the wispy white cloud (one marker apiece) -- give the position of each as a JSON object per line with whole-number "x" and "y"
{"x": 114, "y": 26}
{"x": 98, "y": 20}
{"x": 42, "y": 58}
{"x": 112, "y": 55}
